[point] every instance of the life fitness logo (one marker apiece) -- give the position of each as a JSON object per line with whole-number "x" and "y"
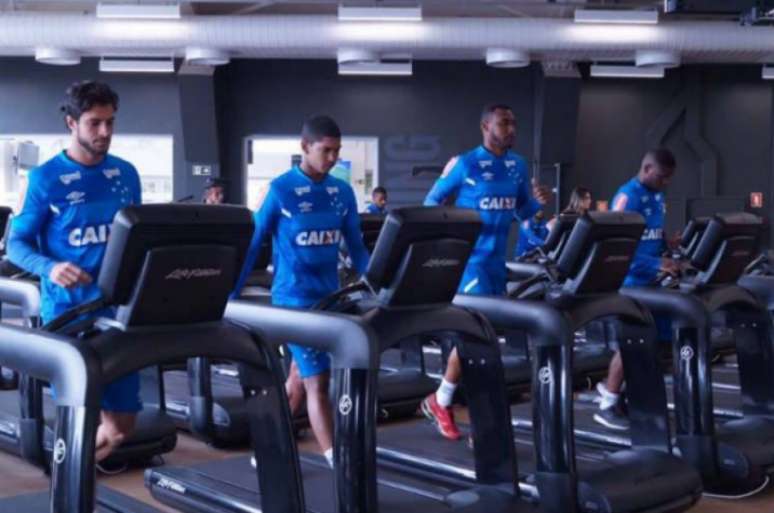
{"x": 686, "y": 353}
{"x": 187, "y": 274}
{"x": 60, "y": 451}
{"x": 345, "y": 405}
{"x": 546, "y": 375}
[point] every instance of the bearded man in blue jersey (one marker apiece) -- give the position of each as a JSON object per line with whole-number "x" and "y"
{"x": 308, "y": 212}
{"x": 61, "y": 232}
{"x": 643, "y": 194}
{"x": 494, "y": 181}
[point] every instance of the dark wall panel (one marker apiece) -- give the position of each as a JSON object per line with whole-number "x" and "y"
{"x": 421, "y": 120}
{"x": 716, "y": 119}
{"x": 30, "y": 94}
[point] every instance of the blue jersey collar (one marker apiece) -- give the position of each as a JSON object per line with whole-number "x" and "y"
{"x": 300, "y": 172}
{"x": 70, "y": 162}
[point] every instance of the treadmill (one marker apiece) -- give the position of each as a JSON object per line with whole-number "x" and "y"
{"x": 645, "y": 478}
{"x": 407, "y": 291}
{"x": 591, "y": 358}
{"x": 403, "y": 382}
{"x": 27, "y": 415}
{"x": 158, "y": 261}
{"x": 735, "y": 457}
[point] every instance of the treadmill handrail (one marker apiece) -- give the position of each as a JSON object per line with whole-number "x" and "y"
{"x": 350, "y": 341}
{"x": 22, "y": 293}
{"x": 53, "y": 358}
{"x": 546, "y": 325}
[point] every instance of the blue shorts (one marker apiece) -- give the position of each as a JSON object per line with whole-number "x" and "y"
{"x": 310, "y": 362}
{"x": 123, "y": 394}
{"x": 481, "y": 281}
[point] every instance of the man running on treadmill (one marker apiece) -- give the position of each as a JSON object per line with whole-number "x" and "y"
{"x": 308, "y": 213}
{"x": 61, "y": 232}
{"x": 494, "y": 181}
{"x": 643, "y": 194}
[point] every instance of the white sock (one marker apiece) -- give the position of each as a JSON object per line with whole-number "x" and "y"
{"x": 329, "y": 456}
{"x": 445, "y": 393}
{"x": 609, "y": 399}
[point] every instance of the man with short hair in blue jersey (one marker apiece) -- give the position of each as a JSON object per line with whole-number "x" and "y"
{"x": 378, "y": 203}
{"x": 495, "y": 182}
{"x": 61, "y": 232}
{"x": 308, "y": 212}
{"x": 643, "y": 194}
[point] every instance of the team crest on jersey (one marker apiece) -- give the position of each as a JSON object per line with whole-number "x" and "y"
{"x": 449, "y": 166}
{"x": 658, "y": 197}
{"x": 483, "y": 164}
{"x": 76, "y": 197}
{"x": 69, "y": 178}
{"x": 645, "y": 199}
{"x": 300, "y": 191}
{"x": 487, "y": 176}
{"x": 332, "y": 190}
{"x": 318, "y": 238}
{"x": 89, "y": 235}
{"x": 648, "y": 211}
{"x": 111, "y": 173}
{"x": 510, "y": 163}
{"x": 305, "y": 207}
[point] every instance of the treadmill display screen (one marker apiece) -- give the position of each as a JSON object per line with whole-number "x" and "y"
{"x": 174, "y": 263}
{"x": 421, "y": 253}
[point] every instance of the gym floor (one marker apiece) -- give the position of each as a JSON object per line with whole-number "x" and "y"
{"x": 20, "y": 477}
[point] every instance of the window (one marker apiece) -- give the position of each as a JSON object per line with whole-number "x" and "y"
{"x": 152, "y": 155}
{"x": 270, "y": 156}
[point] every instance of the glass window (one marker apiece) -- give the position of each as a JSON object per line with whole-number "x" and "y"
{"x": 152, "y": 155}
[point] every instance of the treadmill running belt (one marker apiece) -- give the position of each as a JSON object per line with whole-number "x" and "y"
{"x": 231, "y": 485}
{"x": 108, "y": 501}
{"x": 620, "y": 481}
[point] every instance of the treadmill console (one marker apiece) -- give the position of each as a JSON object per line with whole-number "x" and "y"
{"x": 691, "y": 235}
{"x": 370, "y": 226}
{"x": 599, "y": 251}
{"x": 557, "y": 237}
{"x": 727, "y": 246}
{"x": 174, "y": 263}
{"x": 420, "y": 255}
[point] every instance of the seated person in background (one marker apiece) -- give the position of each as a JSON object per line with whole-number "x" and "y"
{"x": 532, "y": 233}
{"x": 580, "y": 203}
{"x": 214, "y": 191}
{"x": 378, "y": 203}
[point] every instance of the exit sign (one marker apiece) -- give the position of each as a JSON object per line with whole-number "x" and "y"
{"x": 756, "y": 199}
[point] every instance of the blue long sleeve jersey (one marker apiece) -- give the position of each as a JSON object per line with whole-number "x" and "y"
{"x": 499, "y": 189}
{"x": 633, "y": 196}
{"x": 307, "y": 221}
{"x": 66, "y": 217}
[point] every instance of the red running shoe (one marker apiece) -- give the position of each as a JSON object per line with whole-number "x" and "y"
{"x": 443, "y": 418}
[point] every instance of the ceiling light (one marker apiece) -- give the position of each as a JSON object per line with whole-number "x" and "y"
{"x": 355, "y": 56}
{"x": 507, "y": 58}
{"x": 611, "y": 16}
{"x": 115, "y": 65}
{"x": 159, "y": 11}
{"x": 658, "y": 58}
{"x": 206, "y": 56}
{"x": 377, "y": 68}
{"x": 608, "y": 71}
{"x": 57, "y": 56}
{"x": 768, "y": 72}
{"x": 380, "y": 13}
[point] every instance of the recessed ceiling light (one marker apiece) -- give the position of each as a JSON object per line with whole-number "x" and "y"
{"x": 206, "y": 56}
{"x": 57, "y": 56}
{"x": 507, "y": 58}
{"x": 380, "y": 13}
{"x": 616, "y": 16}
{"x": 118, "y": 65}
{"x": 609, "y": 71}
